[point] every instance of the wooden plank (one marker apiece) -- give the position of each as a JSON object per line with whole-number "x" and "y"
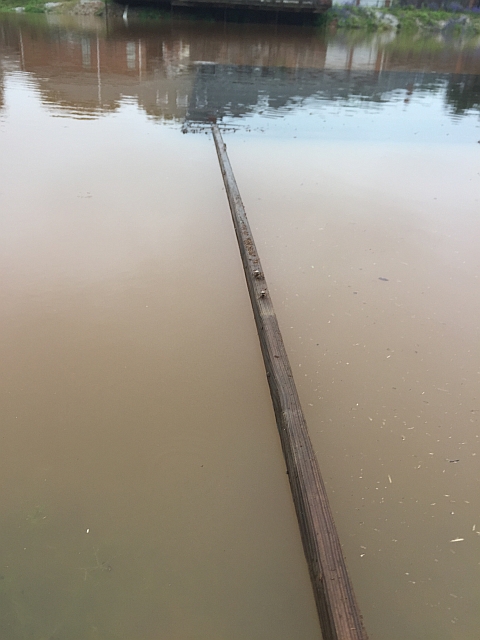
{"x": 339, "y": 615}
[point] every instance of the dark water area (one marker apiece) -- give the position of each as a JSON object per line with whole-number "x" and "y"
{"x": 143, "y": 490}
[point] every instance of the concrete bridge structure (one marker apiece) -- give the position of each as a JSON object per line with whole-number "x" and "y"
{"x": 297, "y": 6}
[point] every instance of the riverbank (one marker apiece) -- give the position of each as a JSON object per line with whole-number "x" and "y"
{"x": 93, "y": 7}
{"x": 465, "y": 22}
{"x": 406, "y": 19}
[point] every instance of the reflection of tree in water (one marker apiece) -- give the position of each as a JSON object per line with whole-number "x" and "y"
{"x": 234, "y": 91}
{"x": 463, "y": 93}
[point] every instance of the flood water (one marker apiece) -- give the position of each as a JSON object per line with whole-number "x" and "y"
{"x": 143, "y": 489}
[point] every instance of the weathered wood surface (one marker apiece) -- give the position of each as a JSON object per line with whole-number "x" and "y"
{"x": 340, "y": 618}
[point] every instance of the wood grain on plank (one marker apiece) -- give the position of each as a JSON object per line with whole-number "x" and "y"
{"x": 339, "y": 615}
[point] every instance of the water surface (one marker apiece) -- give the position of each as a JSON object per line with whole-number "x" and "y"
{"x": 144, "y": 493}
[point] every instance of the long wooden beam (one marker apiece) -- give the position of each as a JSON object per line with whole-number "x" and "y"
{"x": 339, "y": 615}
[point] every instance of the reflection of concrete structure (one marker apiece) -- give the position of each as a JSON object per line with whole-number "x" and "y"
{"x": 87, "y": 75}
{"x": 368, "y": 56}
{"x": 210, "y": 69}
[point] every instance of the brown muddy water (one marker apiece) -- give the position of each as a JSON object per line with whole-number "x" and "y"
{"x": 143, "y": 490}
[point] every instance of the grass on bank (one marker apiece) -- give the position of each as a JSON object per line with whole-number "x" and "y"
{"x": 406, "y": 19}
{"x": 31, "y": 6}
{"x": 36, "y": 6}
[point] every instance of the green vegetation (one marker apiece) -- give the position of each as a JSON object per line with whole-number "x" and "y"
{"x": 30, "y": 6}
{"x": 405, "y": 19}
{"x": 39, "y": 6}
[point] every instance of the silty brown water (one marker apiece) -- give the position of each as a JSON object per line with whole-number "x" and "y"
{"x": 144, "y": 492}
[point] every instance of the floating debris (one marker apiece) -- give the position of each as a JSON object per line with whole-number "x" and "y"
{"x": 457, "y": 540}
